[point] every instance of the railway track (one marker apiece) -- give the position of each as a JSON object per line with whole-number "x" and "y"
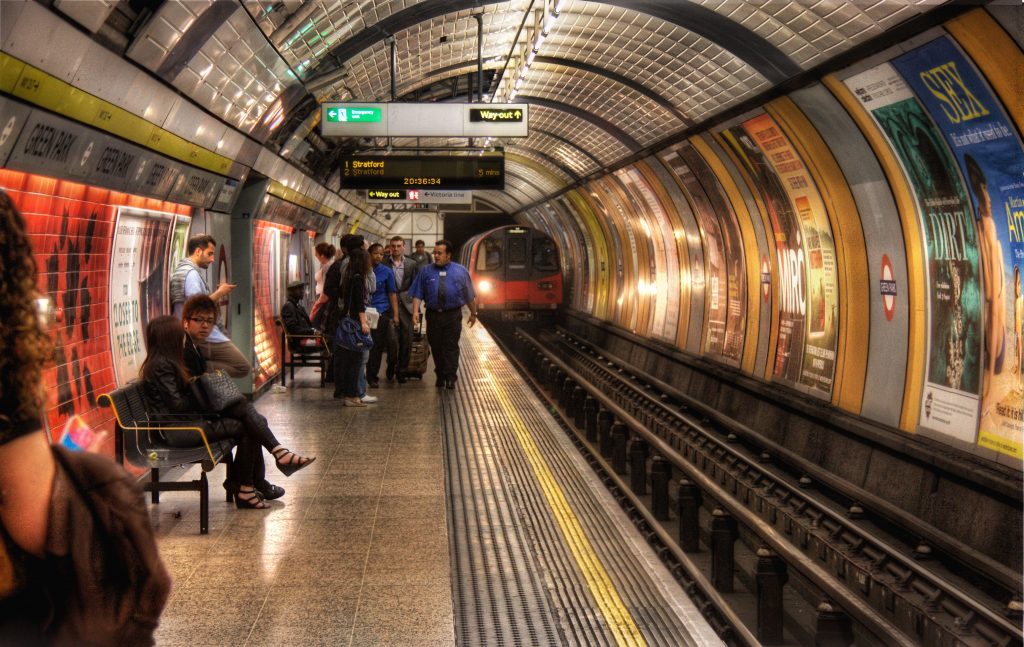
{"x": 715, "y": 497}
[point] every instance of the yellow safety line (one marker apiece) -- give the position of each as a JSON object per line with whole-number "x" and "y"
{"x": 615, "y": 613}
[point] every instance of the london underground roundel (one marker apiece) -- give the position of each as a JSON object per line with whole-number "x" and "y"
{"x": 766, "y": 279}
{"x": 887, "y": 287}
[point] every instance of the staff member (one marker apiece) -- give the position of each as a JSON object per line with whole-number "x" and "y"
{"x": 443, "y": 287}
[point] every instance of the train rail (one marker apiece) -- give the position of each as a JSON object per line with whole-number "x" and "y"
{"x": 896, "y": 580}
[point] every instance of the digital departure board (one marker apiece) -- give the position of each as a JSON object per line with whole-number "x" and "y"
{"x": 423, "y": 172}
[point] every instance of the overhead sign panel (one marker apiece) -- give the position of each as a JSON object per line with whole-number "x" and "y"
{"x": 459, "y": 173}
{"x": 424, "y": 120}
{"x": 495, "y": 116}
{"x": 423, "y": 196}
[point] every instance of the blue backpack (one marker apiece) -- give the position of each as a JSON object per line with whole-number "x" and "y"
{"x": 349, "y": 335}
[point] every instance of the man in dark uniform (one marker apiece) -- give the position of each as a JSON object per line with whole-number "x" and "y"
{"x": 444, "y": 287}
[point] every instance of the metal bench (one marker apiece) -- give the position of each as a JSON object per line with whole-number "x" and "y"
{"x": 318, "y": 355}
{"x": 139, "y": 440}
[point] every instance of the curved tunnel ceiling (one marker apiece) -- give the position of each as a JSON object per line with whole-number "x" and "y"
{"x": 606, "y": 80}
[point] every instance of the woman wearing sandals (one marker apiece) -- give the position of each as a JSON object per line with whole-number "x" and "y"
{"x": 171, "y": 357}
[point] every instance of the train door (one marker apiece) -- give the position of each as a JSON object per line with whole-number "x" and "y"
{"x": 517, "y": 268}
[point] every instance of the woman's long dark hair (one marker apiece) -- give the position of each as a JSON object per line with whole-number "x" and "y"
{"x": 358, "y": 263}
{"x": 25, "y": 348}
{"x": 165, "y": 337}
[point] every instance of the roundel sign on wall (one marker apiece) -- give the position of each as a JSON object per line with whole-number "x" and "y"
{"x": 887, "y": 287}
{"x": 766, "y": 278}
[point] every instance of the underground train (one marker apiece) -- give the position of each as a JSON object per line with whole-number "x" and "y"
{"x": 515, "y": 271}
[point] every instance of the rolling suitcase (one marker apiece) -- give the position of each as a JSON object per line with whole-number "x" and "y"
{"x": 419, "y": 353}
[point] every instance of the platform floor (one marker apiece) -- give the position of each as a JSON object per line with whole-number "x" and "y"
{"x": 363, "y": 548}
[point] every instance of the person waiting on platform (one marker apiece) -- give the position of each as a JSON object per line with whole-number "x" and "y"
{"x": 188, "y": 281}
{"x": 385, "y": 300}
{"x": 332, "y": 288}
{"x": 405, "y": 269}
{"x": 172, "y": 358}
{"x": 420, "y": 254}
{"x": 326, "y": 255}
{"x": 296, "y": 321}
{"x": 444, "y": 287}
{"x": 348, "y": 363}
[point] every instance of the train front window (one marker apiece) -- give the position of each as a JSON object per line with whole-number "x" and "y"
{"x": 516, "y": 253}
{"x": 545, "y": 258}
{"x": 489, "y": 256}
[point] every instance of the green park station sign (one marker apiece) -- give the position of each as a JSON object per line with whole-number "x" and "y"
{"x": 353, "y": 114}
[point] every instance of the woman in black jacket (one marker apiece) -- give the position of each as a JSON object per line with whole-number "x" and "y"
{"x": 352, "y": 304}
{"x": 167, "y": 391}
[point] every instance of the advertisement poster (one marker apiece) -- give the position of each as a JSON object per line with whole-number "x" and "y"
{"x": 732, "y": 242}
{"x": 949, "y": 402}
{"x": 138, "y": 284}
{"x": 179, "y": 242}
{"x": 267, "y": 282}
{"x": 789, "y": 255}
{"x": 716, "y": 266}
{"x": 821, "y": 292}
{"x": 988, "y": 150}
{"x": 666, "y": 310}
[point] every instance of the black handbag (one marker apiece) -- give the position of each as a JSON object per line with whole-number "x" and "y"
{"x": 350, "y": 336}
{"x": 217, "y": 391}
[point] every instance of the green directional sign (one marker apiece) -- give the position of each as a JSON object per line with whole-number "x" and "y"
{"x": 354, "y": 114}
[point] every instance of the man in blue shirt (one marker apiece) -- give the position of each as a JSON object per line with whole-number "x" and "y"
{"x": 443, "y": 287}
{"x": 385, "y": 300}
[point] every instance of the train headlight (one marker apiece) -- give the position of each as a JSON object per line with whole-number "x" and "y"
{"x": 484, "y": 286}
{"x": 545, "y": 285}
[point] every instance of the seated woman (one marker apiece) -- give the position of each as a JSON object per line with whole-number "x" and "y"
{"x": 165, "y": 385}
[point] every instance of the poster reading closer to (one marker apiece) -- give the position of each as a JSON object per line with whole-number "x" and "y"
{"x": 988, "y": 151}
{"x": 138, "y": 283}
{"x": 949, "y": 401}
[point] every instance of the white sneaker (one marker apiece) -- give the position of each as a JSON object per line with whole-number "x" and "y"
{"x": 369, "y": 399}
{"x": 354, "y": 402}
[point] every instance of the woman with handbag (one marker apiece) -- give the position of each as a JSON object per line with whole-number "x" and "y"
{"x": 166, "y": 387}
{"x": 352, "y": 335}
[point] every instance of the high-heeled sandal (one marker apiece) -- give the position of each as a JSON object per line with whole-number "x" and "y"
{"x": 251, "y": 500}
{"x": 269, "y": 491}
{"x": 290, "y": 467}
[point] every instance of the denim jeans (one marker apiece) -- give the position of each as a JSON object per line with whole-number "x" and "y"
{"x": 362, "y": 372}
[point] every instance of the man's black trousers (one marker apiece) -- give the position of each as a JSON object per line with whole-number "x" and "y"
{"x": 443, "y": 332}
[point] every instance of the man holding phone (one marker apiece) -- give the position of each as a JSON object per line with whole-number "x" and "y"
{"x": 187, "y": 281}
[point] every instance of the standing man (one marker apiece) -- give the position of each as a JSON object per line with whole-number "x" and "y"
{"x": 187, "y": 281}
{"x": 385, "y": 300}
{"x": 405, "y": 269}
{"x": 444, "y": 287}
{"x": 420, "y": 255}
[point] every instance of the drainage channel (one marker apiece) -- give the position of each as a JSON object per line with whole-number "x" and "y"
{"x": 885, "y": 591}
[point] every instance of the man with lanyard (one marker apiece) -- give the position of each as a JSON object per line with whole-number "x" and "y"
{"x": 444, "y": 287}
{"x": 385, "y": 300}
{"x": 405, "y": 269}
{"x": 188, "y": 281}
